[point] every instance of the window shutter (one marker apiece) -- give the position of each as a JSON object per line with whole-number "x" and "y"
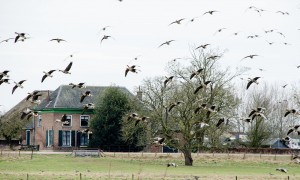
{"x": 78, "y": 138}
{"x": 60, "y": 138}
{"x": 73, "y": 138}
{"x": 47, "y": 138}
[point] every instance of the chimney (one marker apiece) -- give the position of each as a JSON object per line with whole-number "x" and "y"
{"x": 139, "y": 94}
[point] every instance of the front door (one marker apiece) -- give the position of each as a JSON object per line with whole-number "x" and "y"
{"x": 27, "y": 137}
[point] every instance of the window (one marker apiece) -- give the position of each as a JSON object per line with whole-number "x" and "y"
{"x": 49, "y": 138}
{"x": 39, "y": 121}
{"x": 66, "y": 138}
{"x": 84, "y": 139}
{"x": 84, "y": 121}
{"x": 68, "y": 121}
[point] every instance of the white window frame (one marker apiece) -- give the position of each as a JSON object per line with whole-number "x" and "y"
{"x": 70, "y": 125}
{"x": 88, "y": 120}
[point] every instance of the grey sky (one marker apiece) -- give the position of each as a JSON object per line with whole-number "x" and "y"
{"x": 138, "y": 27}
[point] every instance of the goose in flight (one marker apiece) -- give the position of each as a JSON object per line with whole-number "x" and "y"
{"x": 257, "y": 110}
{"x": 20, "y": 35}
{"x": 294, "y": 129}
{"x": 4, "y": 74}
{"x": 29, "y": 113}
{"x": 132, "y": 116}
{"x": 258, "y": 114}
{"x": 196, "y": 73}
{"x": 202, "y": 106}
{"x": 105, "y": 37}
{"x": 177, "y": 21}
{"x": 87, "y": 106}
{"x": 251, "y": 56}
{"x": 139, "y": 119}
{"x": 291, "y": 111}
{"x": 18, "y": 84}
{"x": 47, "y": 74}
{"x": 202, "y": 86}
{"x": 203, "y": 46}
{"x": 85, "y": 94}
{"x": 34, "y": 96}
{"x": 6, "y": 40}
{"x": 210, "y": 12}
{"x": 282, "y": 170}
{"x": 158, "y": 141}
{"x": 251, "y": 81}
{"x": 283, "y": 13}
{"x": 211, "y": 109}
{"x": 175, "y": 104}
{"x": 166, "y": 43}
{"x": 4, "y": 81}
{"x": 58, "y": 40}
{"x": 131, "y": 69}
{"x": 168, "y": 79}
{"x": 63, "y": 119}
{"x": 219, "y": 30}
{"x": 213, "y": 57}
{"x": 220, "y": 121}
{"x": 203, "y": 124}
{"x": 79, "y": 85}
{"x": 67, "y": 69}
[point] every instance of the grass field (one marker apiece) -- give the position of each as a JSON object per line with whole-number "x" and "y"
{"x": 145, "y": 166}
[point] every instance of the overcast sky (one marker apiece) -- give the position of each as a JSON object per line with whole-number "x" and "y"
{"x": 137, "y": 28}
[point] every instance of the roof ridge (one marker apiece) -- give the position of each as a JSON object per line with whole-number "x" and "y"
{"x": 57, "y": 96}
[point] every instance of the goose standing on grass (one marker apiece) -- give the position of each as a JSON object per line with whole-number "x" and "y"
{"x": 83, "y": 95}
{"x": 47, "y": 74}
{"x": 67, "y": 69}
{"x": 172, "y": 164}
{"x": 251, "y": 81}
{"x": 18, "y": 84}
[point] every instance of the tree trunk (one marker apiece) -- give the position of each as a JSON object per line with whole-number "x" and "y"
{"x": 188, "y": 160}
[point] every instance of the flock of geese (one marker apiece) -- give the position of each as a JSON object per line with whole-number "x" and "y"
{"x": 160, "y": 141}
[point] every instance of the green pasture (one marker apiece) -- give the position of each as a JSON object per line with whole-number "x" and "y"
{"x": 145, "y": 166}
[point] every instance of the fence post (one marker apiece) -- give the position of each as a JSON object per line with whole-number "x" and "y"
{"x": 235, "y": 177}
{"x": 31, "y": 153}
{"x": 19, "y": 153}
{"x": 27, "y": 176}
{"x": 80, "y": 176}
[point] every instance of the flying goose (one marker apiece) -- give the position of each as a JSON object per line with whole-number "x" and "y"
{"x": 211, "y": 109}
{"x": 34, "y": 97}
{"x": 132, "y": 116}
{"x": 4, "y": 81}
{"x": 202, "y": 86}
{"x": 177, "y": 21}
{"x": 248, "y": 120}
{"x": 58, "y": 40}
{"x": 294, "y": 129}
{"x": 254, "y": 80}
{"x": 143, "y": 119}
{"x": 168, "y": 79}
{"x": 291, "y": 111}
{"x": 213, "y": 57}
{"x": 87, "y": 106}
{"x": 251, "y": 56}
{"x": 20, "y": 35}
{"x": 203, "y": 46}
{"x": 210, "y": 12}
{"x": 79, "y": 85}
{"x": 47, "y": 74}
{"x": 257, "y": 110}
{"x": 67, "y": 69}
{"x": 19, "y": 84}
{"x": 6, "y": 40}
{"x": 220, "y": 121}
{"x": 105, "y": 37}
{"x": 166, "y": 43}
{"x": 4, "y": 74}
{"x": 202, "y": 106}
{"x": 175, "y": 104}
{"x": 203, "y": 124}
{"x": 28, "y": 112}
{"x": 130, "y": 69}
{"x": 283, "y": 13}
{"x": 219, "y": 30}
{"x": 158, "y": 141}
{"x": 83, "y": 95}
{"x": 258, "y": 114}
{"x": 282, "y": 170}
{"x": 62, "y": 119}
{"x": 196, "y": 73}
